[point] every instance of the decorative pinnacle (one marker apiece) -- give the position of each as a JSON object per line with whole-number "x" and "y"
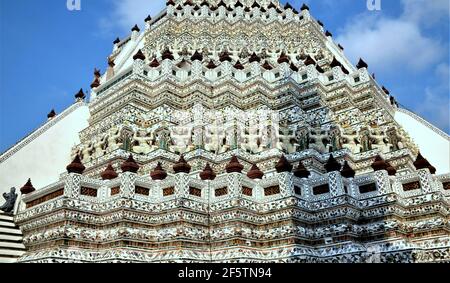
{"x": 182, "y": 166}
{"x": 109, "y": 173}
{"x": 208, "y": 173}
{"x": 158, "y": 174}
{"x": 379, "y": 164}
{"x": 234, "y": 166}
{"x": 130, "y": 165}
{"x": 283, "y": 165}
{"x": 52, "y": 114}
{"x": 332, "y": 165}
{"x": 361, "y": 64}
{"x": 301, "y": 171}
{"x": 255, "y": 173}
{"x": 422, "y": 163}
{"x": 80, "y": 95}
{"x": 347, "y": 171}
{"x": 76, "y": 166}
{"x": 27, "y": 188}
{"x": 139, "y": 55}
{"x": 136, "y": 28}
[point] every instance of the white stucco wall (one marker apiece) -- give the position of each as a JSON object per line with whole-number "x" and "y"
{"x": 45, "y": 153}
{"x": 433, "y": 143}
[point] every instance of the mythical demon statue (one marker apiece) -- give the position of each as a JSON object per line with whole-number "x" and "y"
{"x": 10, "y": 199}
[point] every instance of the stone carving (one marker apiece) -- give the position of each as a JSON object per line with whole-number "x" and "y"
{"x": 181, "y": 139}
{"x": 10, "y": 199}
{"x": 251, "y": 139}
{"x": 143, "y": 142}
{"x": 319, "y": 140}
{"x": 349, "y": 140}
{"x": 380, "y": 141}
{"x": 395, "y": 139}
{"x": 287, "y": 139}
{"x": 114, "y": 140}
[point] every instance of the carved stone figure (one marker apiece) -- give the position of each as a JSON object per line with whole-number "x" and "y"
{"x": 318, "y": 140}
{"x": 163, "y": 139}
{"x": 395, "y": 139}
{"x": 379, "y": 141}
{"x": 10, "y": 199}
{"x": 99, "y": 147}
{"x": 181, "y": 139}
{"x": 364, "y": 139}
{"x": 144, "y": 142}
{"x": 114, "y": 142}
{"x": 349, "y": 140}
{"x": 287, "y": 138}
{"x": 302, "y": 139}
{"x": 87, "y": 152}
{"x": 215, "y": 139}
{"x": 251, "y": 140}
{"x": 335, "y": 140}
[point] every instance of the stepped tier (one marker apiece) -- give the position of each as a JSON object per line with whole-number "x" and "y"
{"x": 11, "y": 246}
{"x": 323, "y": 218}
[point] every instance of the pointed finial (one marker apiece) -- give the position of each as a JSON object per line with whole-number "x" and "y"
{"x": 283, "y": 165}
{"x": 182, "y": 166}
{"x": 301, "y": 171}
{"x": 379, "y": 164}
{"x": 347, "y": 171}
{"x": 27, "y": 188}
{"x": 130, "y": 165}
{"x": 422, "y": 163}
{"x": 332, "y": 165}
{"x": 76, "y": 166}
{"x": 255, "y": 173}
{"x": 208, "y": 173}
{"x": 234, "y": 166}
{"x": 52, "y": 114}
{"x": 158, "y": 174}
{"x": 80, "y": 95}
{"x": 136, "y": 28}
{"x": 139, "y": 55}
{"x": 361, "y": 64}
{"x": 109, "y": 173}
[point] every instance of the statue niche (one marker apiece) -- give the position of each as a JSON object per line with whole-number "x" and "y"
{"x": 181, "y": 139}
{"x": 10, "y": 199}
{"x": 251, "y": 139}
{"x": 350, "y": 141}
{"x": 380, "y": 141}
{"x": 143, "y": 142}
{"x": 287, "y": 139}
{"x": 319, "y": 140}
{"x": 395, "y": 139}
{"x": 302, "y": 137}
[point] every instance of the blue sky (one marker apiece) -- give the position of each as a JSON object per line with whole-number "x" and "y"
{"x": 47, "y": 52}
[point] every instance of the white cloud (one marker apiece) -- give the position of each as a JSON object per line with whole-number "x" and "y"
{"x": 390, "y": 45}
{"x": 426, "y": 12}
{"x": 435, "y": 105}
{"x": 127, "y": 13}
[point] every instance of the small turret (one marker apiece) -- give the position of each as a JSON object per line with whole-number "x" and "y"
{"x": 130, "y": 165}
{"x": 27, "y": 188}
{"x": 283, "y": 165}
{"x": 207, "y": 173}
{"x": 234, "y": 166}
{"x": 255, "y": 173}
{"x": 76, "y": 167}
{"x": 158, "y": 174}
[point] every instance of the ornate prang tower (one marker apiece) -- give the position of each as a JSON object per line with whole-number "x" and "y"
{"x": 237, "y": 131}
